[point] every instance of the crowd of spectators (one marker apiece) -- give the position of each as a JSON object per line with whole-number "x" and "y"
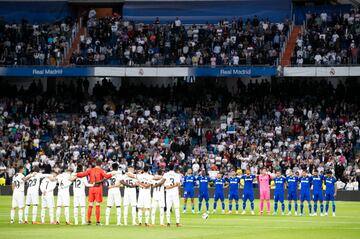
{"x": 117, "y": 41}
{"x": 34, "y": 44}
{"x": 329, "y": 39}
{"x": 310, "y": 125}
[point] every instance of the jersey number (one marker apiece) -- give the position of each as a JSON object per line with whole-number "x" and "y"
{"x": 112, "y": 181}
{"x": 32, "y": 182}
{"x": 77, "y": 183}
{"x": 17, "y": 184}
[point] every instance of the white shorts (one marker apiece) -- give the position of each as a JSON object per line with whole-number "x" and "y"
{"x": 144, "y": 200}
{"x": 18, "y": 200}
{"x": 63, "y": 199}
{"x": 114, "y": 198}
{"x": 47, "y": 201}
{"x": 130, "y": 198}
{"x": 32, "y": 198}
{"x": 158, "y": 202}
{"x": 172, "y": 201}
{"x": 80, "y": 201}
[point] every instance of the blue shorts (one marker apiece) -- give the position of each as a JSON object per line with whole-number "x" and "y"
{"x": 248, "y": 195}
{"x": 189, "y": 194}
{"x": 234, "y": 196}
{"x": 203, "y": 195}
{"x": 329, "y": 196}
{"x": 279, "y": 196}
{"x": 305, "y": 196}
{"x": 219, "y": 195}
{"x": 292, "y": 195}
{"x": 318, "y": 196}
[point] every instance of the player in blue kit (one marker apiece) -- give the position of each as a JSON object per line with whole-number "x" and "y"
{"x": 189, "y": 183}
{"x": 279, "y": 181}
{"x": 203, "y": 190}
{"x": 305, "y": 184}
{"x": 248, "y": 193}
{"x": 219, "y": 184}
{"x": 317, "y": 181}
{"x": 292, "y": 184}
{"x": 330, "y": 192}
{"x": 234, "y": 182}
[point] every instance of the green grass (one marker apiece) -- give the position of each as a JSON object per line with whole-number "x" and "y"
{"x": 346, "y": 224}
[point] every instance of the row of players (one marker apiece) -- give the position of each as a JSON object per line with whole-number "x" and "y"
{"x": 305, "y": 181}
{"x": 144, "y": 201}
{"x": 140, "y": 205}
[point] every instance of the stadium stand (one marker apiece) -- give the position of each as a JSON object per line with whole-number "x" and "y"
{"x": 115, "y": 41}
{"x": 329, "y": 39}
{"x": 35, "y": 44}
{"x": 282, "y": 125}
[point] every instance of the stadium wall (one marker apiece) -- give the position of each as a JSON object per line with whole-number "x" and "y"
{"x": 206, "y": 11}
{"x": 137, "y": 71}
{"x": 300, "y": 11}
{"x": 341, "y": 195}
{"x": 34, "y": 12}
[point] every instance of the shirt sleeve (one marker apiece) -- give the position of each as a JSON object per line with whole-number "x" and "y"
{"x": 105, "y": 175}
{"x": 83, "y": 174}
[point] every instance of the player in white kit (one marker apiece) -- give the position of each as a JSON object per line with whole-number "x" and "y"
{"x": 129, "y": 196}
{"x": 114, "y": 196}
{"x": 47, "y": 187}
{"x": 32, "y": 197}
{"x": 158, "y": 199}
{"x": 145, "y": 180}
{"x": 172, "y": 184}
{"x": 63, "y": 200}
{"x": 18, "y": 199}
{"x": 80, "y": 196}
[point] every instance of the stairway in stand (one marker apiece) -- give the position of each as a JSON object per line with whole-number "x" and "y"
{"x": 291, "y": 43}
{"x": 74, "y": 46}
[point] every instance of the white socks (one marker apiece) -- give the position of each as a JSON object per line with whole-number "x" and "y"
{"x": 67, "y": 214}
{"x": 153, "y": 213}
{"x": 177, "y": 215}
{"x": 21, "y": 213}
{"x": 26, "y": 213}
{"x": 66, "y": 211}
{"x": 12, "y": 214}
{"x": 58, "y": 213}
{"x": 107, "y": 215}
{"x": 76, "y": 215}
{"x": 126, "y": 208}
{"x": 118, "y": 215}
{"x": 147, "y": 216}
{"x": 51, "y": 214}
{"x": 140, "y": 212}
{"x": 82, "y": 210}
{"x": 34, "y": 213}
{"x": 168, "y": 214}
{"x": 133, "y": 213}
{"x": 161, "y": 216}
{"x": 43, "y": 210}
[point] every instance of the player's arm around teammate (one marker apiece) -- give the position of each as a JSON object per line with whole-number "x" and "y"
{"x": 18, "y": 189}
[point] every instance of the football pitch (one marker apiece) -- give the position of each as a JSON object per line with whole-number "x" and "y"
{"x": 346, "y": 224}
